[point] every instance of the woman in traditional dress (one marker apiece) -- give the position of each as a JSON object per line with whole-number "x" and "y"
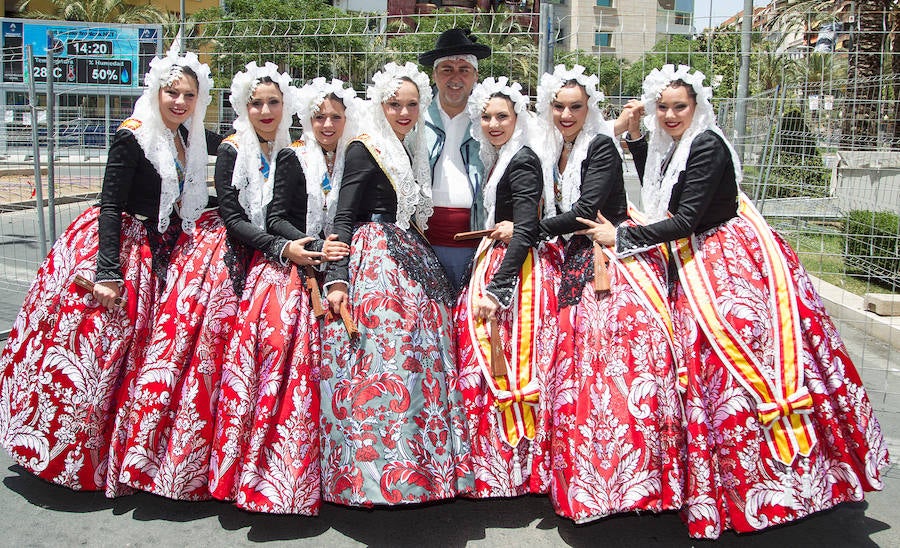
{"x": 169, "y": 445}
{"x": 392, "y": 426}
{"x": 618, "y": 440}
{"x": 69, "y": 364}
{"x": 266, "y": 454}
{"x": 778, "y": 423}
{"x": 507, "y": 314}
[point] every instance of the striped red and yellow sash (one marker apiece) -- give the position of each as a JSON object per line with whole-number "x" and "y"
{"x": 783, "y": 402}
{"x": 651, "y": 290}
{"x": 652, "y": 294}
{"x": 518, "y": 392}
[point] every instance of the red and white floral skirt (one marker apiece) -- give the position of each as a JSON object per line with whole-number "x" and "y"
{"x": 266, "y": 447}
{"x": 508, "y": 416}
{"x": 69, "y": 364}
{"x": 171, "y": 417}
{"x": 823, "y": 445}
{"x": 618, "y": 436}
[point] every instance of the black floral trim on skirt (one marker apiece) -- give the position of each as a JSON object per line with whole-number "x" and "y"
{"x": 237, "y": 258}
{"x": 414, "y": 254}
{"x": 161, "y": 245}
{"x": 577, "y": 270}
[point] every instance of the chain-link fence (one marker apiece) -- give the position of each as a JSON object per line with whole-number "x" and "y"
{"x": 820, "y": 146}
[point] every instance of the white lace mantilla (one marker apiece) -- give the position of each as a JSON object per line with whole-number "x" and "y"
{"x": 411, "y": 178}
{"x": 529, "y": 131}
{"x": 321, "y": 208}
{"x": 594, "y": 124}
{"x": 158, "y": 142}
{"x": 657, "y": 188}
{"x": 254, "y": 190}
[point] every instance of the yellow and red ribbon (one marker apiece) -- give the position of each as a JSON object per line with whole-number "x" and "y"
{"x": 783, "y": 402}
{"x": 518, "y": 392}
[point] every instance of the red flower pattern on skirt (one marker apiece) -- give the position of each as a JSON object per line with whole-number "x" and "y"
{"x": 618, "y": 437}
{"x": 392, "y": 428}
{"x": 733, "y": 480}
{"x": 266, "y": 449}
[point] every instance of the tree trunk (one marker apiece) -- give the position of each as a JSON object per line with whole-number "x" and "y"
{"x": 864, "y": 71}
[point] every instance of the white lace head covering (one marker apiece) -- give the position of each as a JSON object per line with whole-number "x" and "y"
{"x": 321, "y": 208}
{"x": 594, "y": 124}
{"x": 530, "y": 131}
{"x": 158, "y": 142}
{"x": 255, "y": 191}
{"x": 412, "y": 180}
{"x": 657, "y": 188}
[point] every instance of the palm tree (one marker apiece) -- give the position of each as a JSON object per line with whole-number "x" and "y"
{"x": 876, "y": 25}
{"x": 98, "y": 11}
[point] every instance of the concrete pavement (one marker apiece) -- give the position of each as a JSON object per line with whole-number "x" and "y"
{"x": 36, "y": 513}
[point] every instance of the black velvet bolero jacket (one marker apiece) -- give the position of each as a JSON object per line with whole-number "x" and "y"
{"x": 602, "y": 188}
{"x": 705, "y": 195}
{"x": 518, "y": 199}
{"x": 287, "y": 212}
{"x": 130, "y": 184}
{"x": 365, "y": 192}
{"x": 236, "y": 221}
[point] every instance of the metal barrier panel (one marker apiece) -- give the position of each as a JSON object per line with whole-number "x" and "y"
{"x": 820, "y": 147}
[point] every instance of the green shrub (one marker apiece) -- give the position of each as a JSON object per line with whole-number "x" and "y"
{"x": 796, "y": 175}
{"x": 873, "y": 246}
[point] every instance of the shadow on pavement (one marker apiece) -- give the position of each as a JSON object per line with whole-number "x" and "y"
{"x": 513, "y": 522}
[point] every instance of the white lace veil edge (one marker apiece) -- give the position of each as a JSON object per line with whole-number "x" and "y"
{"x": 657, "y": 189}
{"x": 158, "y": 142}
{"x": 255, "y": 191}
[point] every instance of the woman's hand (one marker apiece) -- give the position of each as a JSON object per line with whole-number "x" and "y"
{"x": 503, "y": 231}
{"x": 334, "y": 249}
{"x": 602, "y": 231}
{"x": 337, "y": 295}
{"x": 631, "y": 119}
{"x": 106, "y": 293}
{"x": 484, "y": 308}
{"x": 297, "y": 253}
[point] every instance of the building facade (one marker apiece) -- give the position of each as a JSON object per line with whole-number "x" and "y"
{"x": 624, "y": 28}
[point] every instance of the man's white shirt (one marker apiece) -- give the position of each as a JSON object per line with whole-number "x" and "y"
{"x": 450, "y": 187}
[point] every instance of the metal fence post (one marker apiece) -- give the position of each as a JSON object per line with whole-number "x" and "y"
{"x": 51, "y": 128}
{"x": 36, "y": 148}
{"x": 545, "y": 47}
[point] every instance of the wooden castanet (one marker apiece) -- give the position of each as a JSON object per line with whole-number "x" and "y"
{"x": 315, "y": 294}
{"x": 474, "y": 235}
{"x": 85, "y": 283}
{"x": 601, "y": 276}
{"x": 349, "y": 324}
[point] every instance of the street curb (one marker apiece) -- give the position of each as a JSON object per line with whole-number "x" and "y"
{"x": 843, "y": 305}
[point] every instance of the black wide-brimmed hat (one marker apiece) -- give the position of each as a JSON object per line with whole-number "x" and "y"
{"x": 455, "y": 42}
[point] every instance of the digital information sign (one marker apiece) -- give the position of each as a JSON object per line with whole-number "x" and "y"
{"x": 83, "y": 53}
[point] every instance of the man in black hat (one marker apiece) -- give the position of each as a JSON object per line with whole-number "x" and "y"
{"x": 456, "y": 168}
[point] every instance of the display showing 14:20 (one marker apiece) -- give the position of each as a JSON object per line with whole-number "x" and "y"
{"x": 89, "y": 47}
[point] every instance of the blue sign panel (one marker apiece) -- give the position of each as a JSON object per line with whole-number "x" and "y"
{"x": 83, "y": 53}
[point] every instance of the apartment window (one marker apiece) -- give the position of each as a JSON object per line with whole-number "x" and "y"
{"x": 604, "y": 3}
{"x": 682, "y": 18}
{"x": 603, "y": 39}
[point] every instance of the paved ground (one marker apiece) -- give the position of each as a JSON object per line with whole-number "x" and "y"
{"x": 35, "y": 513}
